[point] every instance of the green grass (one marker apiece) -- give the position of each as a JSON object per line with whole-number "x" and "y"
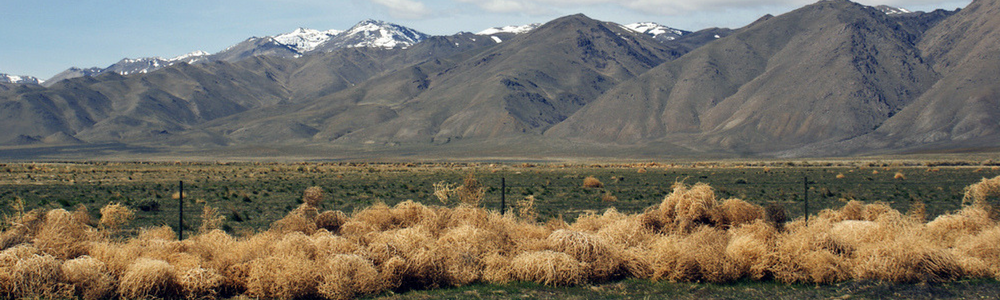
{"x": 252, "y": 195}
{"x": 647, "y": 289}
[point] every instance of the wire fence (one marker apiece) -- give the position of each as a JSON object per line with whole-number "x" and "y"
{"x": 254, "y": 203}
{"x": 799, "y": 197}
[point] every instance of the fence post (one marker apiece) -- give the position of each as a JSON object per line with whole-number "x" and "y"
{"x": 180, "y": 214}
{"x": 805, "y": 195}
{"x": 503, "y": 195}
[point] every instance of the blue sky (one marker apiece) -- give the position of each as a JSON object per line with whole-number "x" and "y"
{"x": 42, "y": 37}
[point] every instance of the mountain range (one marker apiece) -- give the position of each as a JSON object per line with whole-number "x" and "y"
{"x": 829, "y": 79}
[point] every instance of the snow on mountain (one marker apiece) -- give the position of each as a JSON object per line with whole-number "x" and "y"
{"x": 19, "y": 79}
{"x": 148, "y": 64}
{"x": 657, "y": 31}
{"x": 889, "y": 10}
{"x": 193, "y": 57}
{"x": 374, "y": 34}
{"x": 368, "y": 33}
{"x": 510, "y": 29}
{"x": 304, "y": 40}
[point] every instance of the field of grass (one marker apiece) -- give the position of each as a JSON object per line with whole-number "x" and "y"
{"x": 253, "y": 195}
{"x": 343, "y": 230}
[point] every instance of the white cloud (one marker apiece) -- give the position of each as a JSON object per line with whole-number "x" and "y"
{"x": 407, "y": 9}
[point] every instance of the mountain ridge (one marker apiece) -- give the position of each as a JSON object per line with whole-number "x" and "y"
{"x": 830, "y": 78}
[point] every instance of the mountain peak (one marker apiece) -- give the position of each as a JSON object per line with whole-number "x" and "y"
{"x": 304, "y": 39}
{"x": 574, "y": 17}
{"x": 376, "y": 34}
{"x": 6, "y": 78}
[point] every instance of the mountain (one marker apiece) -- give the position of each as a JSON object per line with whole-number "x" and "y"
{"x": 829, "y": 71}
{"x": 657, "y": 31}
{"x": 515, "y": 88}
{"x": 500, "y": 34}
{"x": 512, "y": 29}
{"x": 374, "y": 34}
{"x": 286, "y": 45}
{"x": 19, "y": 79}
{"x": 834, "y": 78}
{"x": 73, "y": 72}
{"x": 962, "y": 108}
{"x": 256, "y": 46}
{"x": 890, "y": 10}
{"x": 153, "y": 107}
{"x": 302, "y": 41}
{"x": 148, "y": 64}
{"x": 131, "y": 66}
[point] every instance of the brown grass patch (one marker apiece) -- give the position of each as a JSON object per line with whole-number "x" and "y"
{"x": 114, "y": 215}
{"x": 331, "y": 220}
{"x": 347, "y": 276}
{"x": 89, "y": 278}
{"x": 146, "y": 278}
{"x": 592, "y": 182}
{"x": 547, "y": 267}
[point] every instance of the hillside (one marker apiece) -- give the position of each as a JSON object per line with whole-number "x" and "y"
{"x": 521, "y": 86}
{"x": 831, "y": 78}
{"x": 826, "y": 72}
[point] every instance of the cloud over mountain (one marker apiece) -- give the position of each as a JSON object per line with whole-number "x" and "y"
{"x": 406, "y": 9}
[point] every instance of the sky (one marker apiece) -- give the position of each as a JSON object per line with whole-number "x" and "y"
{"x": 44, "y": 37}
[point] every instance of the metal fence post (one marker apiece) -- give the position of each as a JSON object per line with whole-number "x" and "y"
{"x": 805, "y": 195}
{"x": 180, "y": 214}
{"x": 503, "y": 195}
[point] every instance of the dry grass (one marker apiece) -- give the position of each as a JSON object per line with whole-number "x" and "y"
{"x": 346, "y": 276}
{"x": 443, "y": 191}
{"x": 63, "y": 235}
{"x": 592, "y": 182}
{"x": 689, "y": 236}
{"x": 313, "y": 196}
{"x": 200, "y": 283}
{"x": 89, "y": 277}
{"x": 547, "y": 267}
{"x": 331, "y": 220}
{"x": 601, "y": 262}
{"x": 526, "y": 209}
{"x": 210, "y": 219}
{"x": 147, "y": 277}
{"x": 471, "y": 192}
{"x": 114, "y": 215}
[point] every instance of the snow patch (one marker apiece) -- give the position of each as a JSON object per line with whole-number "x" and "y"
{"x": 655, "y": 30}
{"x": 510, "y": 29}
{"x": 20, "y": 79}
{"x": 889, "y": 10}
{"x": 190, "y": 56}
{"x": 379, "y": 34}
{"x": 304, "y": 39}
{"x": 496, "y": 39}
